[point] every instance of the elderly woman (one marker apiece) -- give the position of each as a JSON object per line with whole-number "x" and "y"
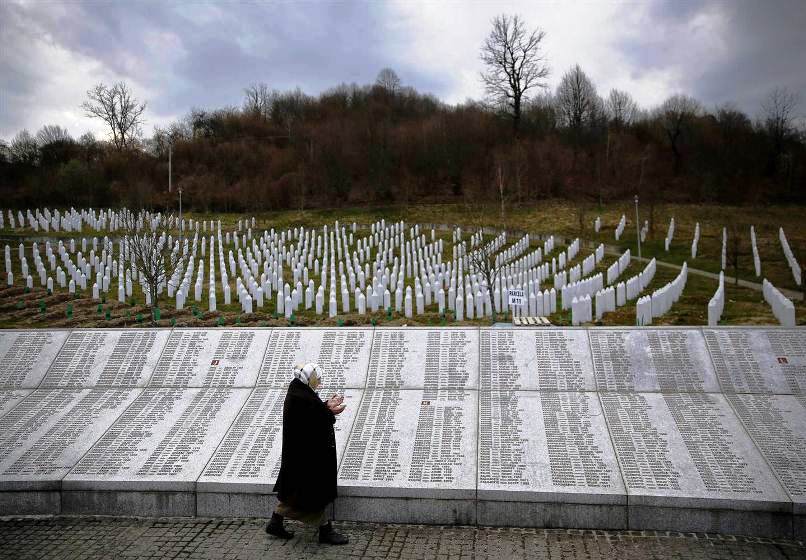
{"x": 307, "y": 479}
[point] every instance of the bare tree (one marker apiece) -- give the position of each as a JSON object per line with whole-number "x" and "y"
{"x": 258, "y": 100}
{"x": 621, "y": 109}
{"x": 52, "y": 134}
{"x": 541, "y": 112}
{"x": 388, "y": 80}
{"x": 675, "y": 116}
{"x": 514, "y": 65}
{"x": 500, "y": 184}
{"x": 87, "y": 140}
{"x": 148, "y": 249}
{"x": 577, "y": 104}
{"x": 117, "y": 107}
{"x": 24, "y": 148}
{"x": 483, "y": 261}
{"x": 779, "y": 117}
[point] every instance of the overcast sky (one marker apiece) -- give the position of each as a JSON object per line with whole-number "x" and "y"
{"x": 178, "y": 55}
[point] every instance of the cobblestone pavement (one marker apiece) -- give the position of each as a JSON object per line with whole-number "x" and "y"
{"x": 87, "y": 538}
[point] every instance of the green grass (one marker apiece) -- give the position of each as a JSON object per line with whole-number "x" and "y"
{"x": 743, "y": 305}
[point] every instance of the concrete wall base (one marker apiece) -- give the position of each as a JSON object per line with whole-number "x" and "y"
{"x": 118, "y": 502}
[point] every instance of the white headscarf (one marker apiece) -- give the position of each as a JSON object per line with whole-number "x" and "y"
{"x": 307, "y": 371}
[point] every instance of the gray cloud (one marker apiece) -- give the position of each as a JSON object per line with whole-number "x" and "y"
{"x": 757, "y": 46}
{"x": 767, "y": 49}
{"x": 183, "y": 55}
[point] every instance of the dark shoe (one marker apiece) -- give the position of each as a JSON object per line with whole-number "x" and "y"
{"x": 327, "y": 535}
{"x": 275, "y": 528}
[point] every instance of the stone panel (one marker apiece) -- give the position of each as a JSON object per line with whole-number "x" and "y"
{"x": 641, "y": 360}
{"x": 688, "y": 450}
{"x": 421, "y": 358}
{"x": 48, "y": 432}
{"x": 211, "y": 358}
{"x": 26, "y": 355}
{"x": 161, "y": 443}
{"x": 248, "y": 458}
{"x": 342, "y": 353}
{"x": 777, "y": 423}
{"x": 111, "y": 358}
{"x": 759, "y": 360}
{"x": 546, "y": 446}
{"x": 535, "y": 359}
{"x": 412, "y": 443}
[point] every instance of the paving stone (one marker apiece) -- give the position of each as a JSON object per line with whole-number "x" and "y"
{"x": 91, "y": 538}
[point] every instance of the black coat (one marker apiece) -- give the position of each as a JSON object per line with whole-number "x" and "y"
{"x": 307, "y": 479}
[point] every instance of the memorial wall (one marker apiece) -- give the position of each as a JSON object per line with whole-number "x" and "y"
{"x": 651, "y": 428}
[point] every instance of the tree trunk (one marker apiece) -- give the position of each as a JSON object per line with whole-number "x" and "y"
{"x": 501, "y": 190}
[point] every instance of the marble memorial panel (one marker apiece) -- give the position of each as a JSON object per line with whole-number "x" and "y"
{"x": 645, "y": 360}
{"x": 9, "y": 398}
{"x": 535, "y": 359}
{"x": 759, "y": 360}
{"x": 777, "y": 423}
{"x": 546, "y": 446}
{"x": 105, "y": 357}
{"x": 412, "y": 443}
{"x": 73, "y": 421}
{"x": 343, "y": 354}
{"x": 687, "y": 450}
{"x": 161, "y": 442}
{"x": 248, "y": 458}
{"x": 210, "y": 358}
{"x": 33, "y": 416}
{"x": 26, "y": 355}
{"x": 423, "y": 358}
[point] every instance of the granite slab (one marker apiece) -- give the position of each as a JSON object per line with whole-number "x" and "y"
{"x": 26, "y": 355}
{"x": 759, "y": 360}
{"x": 342, "y": 353}
{"x": 106, "y": 357}
{"x": 412, "y": 443}
{"x": 248, "y": 458}
{"x": 648, "y": 360}
{"x": 546, "y": 446}
{"x": 424, "y": 358}
{"x": 688, "y": 450}
{"x": 211, "y": 358}
{"x": 777, "y": 424}
{"x": 543, "y": 359}
{"x": 160, "y": 443}
{"x": 31, "y": 418}
{"x": 72, "y": 421}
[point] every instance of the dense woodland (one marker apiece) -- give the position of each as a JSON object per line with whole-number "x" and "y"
{"x": 388, "y": 144}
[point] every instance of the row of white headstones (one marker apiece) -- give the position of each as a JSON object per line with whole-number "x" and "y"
{"x": 99, "y": 220}
{"x": 782, "y": 307}
{"x": 477, "y": 301}
{"x": 466, "y": 295}
{"x": 789, "y": 255}
{"x": 778, "y": 302}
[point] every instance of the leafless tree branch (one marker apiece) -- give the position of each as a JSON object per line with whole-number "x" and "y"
{"x": 149, "y": 252}
{"x": 117, "y": 107}
{"x": 514, "y": 65}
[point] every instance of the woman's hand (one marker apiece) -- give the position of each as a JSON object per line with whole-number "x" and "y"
{"x": 336, "y": 404}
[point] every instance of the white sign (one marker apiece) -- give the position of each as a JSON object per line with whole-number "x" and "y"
{"x": 517, "y": 297}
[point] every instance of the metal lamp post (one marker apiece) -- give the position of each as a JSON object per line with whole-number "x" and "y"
{"x": 170, "y": 188}
{"x": 637, "y": 226}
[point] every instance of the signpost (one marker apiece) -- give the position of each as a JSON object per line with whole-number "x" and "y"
{"x": 517, "y": 298}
